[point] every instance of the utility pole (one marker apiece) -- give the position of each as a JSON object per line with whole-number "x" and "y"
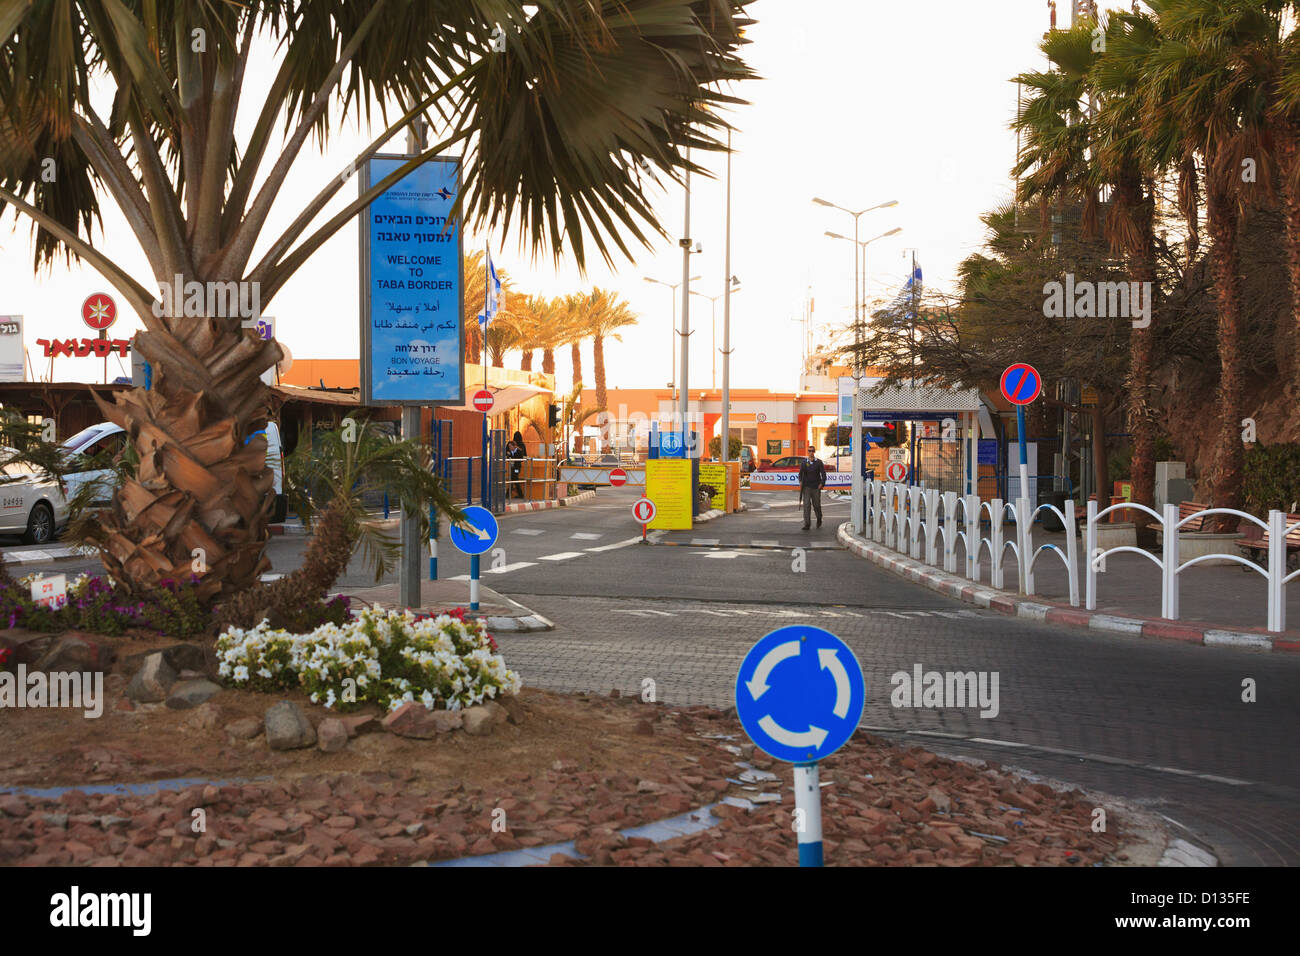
{"x": 684, "y": 400}
{"x": 726, "y": 320}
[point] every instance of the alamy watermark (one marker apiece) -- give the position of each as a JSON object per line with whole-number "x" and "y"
{"x": 1100, "y": 300}
{"x": 932, "y": 689}
{"x": 82, "y": 690}
{"x": 218, "y": 300}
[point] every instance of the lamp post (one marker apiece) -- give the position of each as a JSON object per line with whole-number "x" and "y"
{"x": 863, "y": 245}
{"x": 713, "y": 325}
{"x": 856, "y": 450}
{"x": 727, "y": 282}
{"x": 672, "y": 351}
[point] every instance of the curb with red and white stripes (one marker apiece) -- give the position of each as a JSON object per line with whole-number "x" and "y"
{"x": 525, "y": 506}
{"x": 1049, "y": 612}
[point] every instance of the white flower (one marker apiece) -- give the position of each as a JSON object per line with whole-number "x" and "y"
{"x": 263, "y": 672}
{"x": 241, "y": 673}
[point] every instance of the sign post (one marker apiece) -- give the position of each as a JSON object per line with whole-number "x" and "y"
{"x": 1020, "y": 385}
{"x": 643, "y": 510}
{"x": 412, "y": 337}
{"x": 799, "y": 696}
{"x": 477, "y": 535}
{"x": 99, "y": 312}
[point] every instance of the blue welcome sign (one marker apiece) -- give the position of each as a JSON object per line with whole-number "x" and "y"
{"x": 412, "y": 339}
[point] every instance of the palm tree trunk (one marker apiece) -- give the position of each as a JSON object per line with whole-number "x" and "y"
{"x": 575, "y": 355}
{"x": 598, "y": 359}
{"x": 1141, "y": 256}
{"x": 200, "y": 500}
{"x": 1288, "y": 149}
{"x": 526, "y": 361}
{"x": 548, "y": 361}
{"x": 1100, "y": 453}
{"x": 1224, "y": 256}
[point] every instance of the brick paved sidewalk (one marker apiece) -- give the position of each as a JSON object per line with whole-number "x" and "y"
{"x": 1221, "y": 604}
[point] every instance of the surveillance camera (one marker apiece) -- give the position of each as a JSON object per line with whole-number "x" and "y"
{"x": 699, "y": 247}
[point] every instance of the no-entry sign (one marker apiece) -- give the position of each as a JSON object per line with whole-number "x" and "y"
{"x": 896, "y": 471}
{"x": 1021, "y": 384}
{"x": 483, "y": 400}
{"x": 618, "y": 478}
{"x": 643, "y": 510}
{"x": 99, "y": 311}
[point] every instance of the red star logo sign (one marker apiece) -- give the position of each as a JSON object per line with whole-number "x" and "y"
{"x": 99, "y": 311}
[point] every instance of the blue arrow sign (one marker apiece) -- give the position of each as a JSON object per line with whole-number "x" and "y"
{"x": 480, "y": 536}
{"x": 800, "y": 693}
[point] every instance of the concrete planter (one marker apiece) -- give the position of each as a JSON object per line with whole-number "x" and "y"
{"x": 1118, "y": 535}
{"x": 1194, "y": 544}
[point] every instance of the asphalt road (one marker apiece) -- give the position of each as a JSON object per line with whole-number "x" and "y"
{"x": 1163, "y": 723}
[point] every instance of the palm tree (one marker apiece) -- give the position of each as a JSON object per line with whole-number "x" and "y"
{"x": 604, "y": 84}
{"x": 609, "y": 314}
{"x": 1053, "y": 167}
{"x": 1122, "y": 161}
{"x": 550, "y": 333}
{"x": 529, "y": 315}
{"x": 576, "y": 322}
{"x": 328, "y": 480}
{"x": 1193, "y": 100}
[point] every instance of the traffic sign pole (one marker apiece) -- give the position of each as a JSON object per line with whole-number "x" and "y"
{"x": 1024, "y": 452}
{"x": 473, "y": 582}
{"x": 808, "y": 808}
{"x": 799, "y": 696}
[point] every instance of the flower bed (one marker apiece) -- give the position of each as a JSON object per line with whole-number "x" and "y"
{"x": 381, "y": 657}
{"x": 172, "y": 609}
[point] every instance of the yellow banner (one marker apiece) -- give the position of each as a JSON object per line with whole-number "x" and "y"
{"x": 668, "y": 485}
{"x": 715, "y": 476}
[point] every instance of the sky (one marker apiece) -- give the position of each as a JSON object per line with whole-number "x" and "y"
{"x": 861, "y": 102}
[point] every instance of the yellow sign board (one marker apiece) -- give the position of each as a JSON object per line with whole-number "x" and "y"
{"x": 715, "y": 476}
{"x": 1088, "y": 396}
{"x": 668, "y": 485}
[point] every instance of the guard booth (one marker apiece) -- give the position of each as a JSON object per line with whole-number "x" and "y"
{"x": 948, "y": 457}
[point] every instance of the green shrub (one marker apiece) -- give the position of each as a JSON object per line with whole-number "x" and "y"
{"x": 1271, "y": 477}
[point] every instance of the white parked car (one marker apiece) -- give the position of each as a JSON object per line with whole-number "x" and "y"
{"x": 111, "y": 438}
{"x": 30, "y": 504}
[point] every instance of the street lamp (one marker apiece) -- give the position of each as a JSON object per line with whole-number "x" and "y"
{"x": 857, "y": 516}
{"x": 672, "y": 351}
{"x": 713, "y": 326}
{"x": 863, "y": 244}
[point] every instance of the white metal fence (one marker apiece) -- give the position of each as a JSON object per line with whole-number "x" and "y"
{"x": 928, "y": 525}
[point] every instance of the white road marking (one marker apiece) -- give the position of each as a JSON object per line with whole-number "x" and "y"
{"x": 532, "y": 531}
{"x": 765, "y": 543}
{"x": 617, "y": 544}
{"x": 704, "y": 541}
{"x": 562, "y": 556}
{"x": 586, "y": 536}
{"x": 507, "y": 568}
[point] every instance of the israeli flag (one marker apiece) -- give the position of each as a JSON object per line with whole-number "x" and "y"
{"x": 494, "y": 298}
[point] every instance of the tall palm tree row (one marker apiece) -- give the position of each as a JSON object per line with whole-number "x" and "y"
{"x": 609, "y": 86}
{"x": 1201, "y": 95}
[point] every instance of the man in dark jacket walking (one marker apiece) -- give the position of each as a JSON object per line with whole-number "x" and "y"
{"x": 812, "y": 479}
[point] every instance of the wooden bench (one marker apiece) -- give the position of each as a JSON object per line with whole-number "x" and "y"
{"x": 1188, "y": 508}
{"x": 1257, "y": 548}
